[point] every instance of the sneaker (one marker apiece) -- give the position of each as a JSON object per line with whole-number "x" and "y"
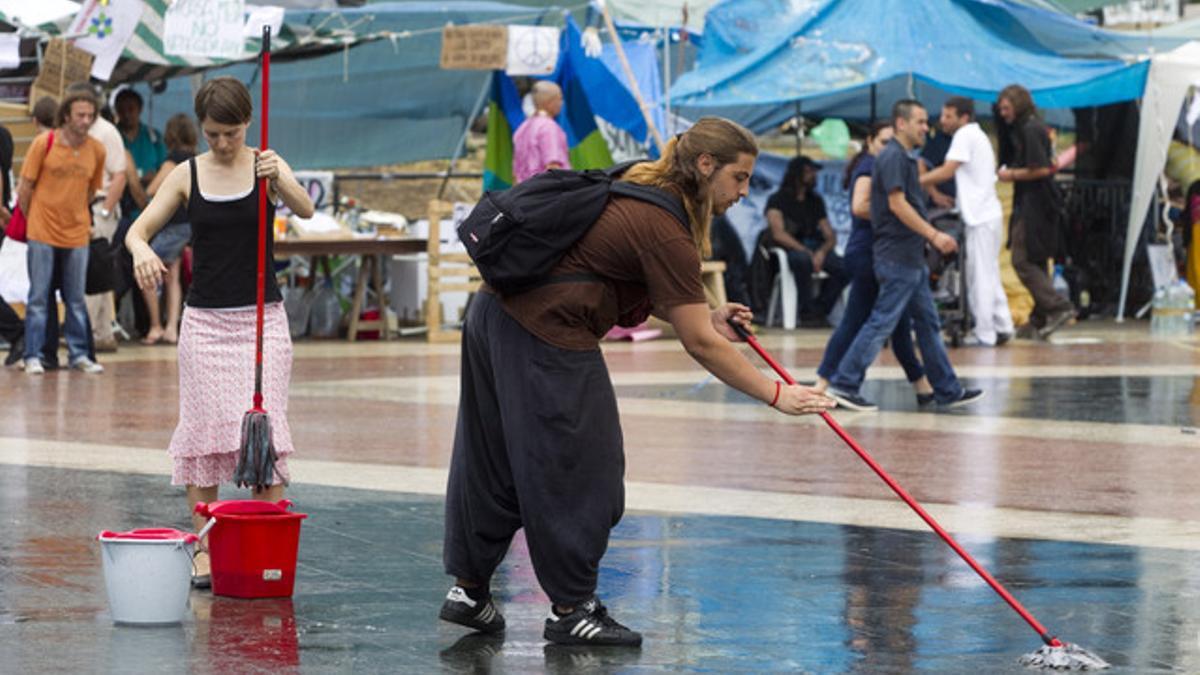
{"x": 966, "y": 397}
{"x": 925, "y": 399}
{"x": 1003, "y": 338}
{"x": 481, "y": 615}
{"x": 34, "y": 367}
{"x": 16, "y": 353}
{"x": 87, "y": 365}
{"x": 589, "y": 624}
{"x": 1056, "y": 321}
{"x": 851, "y": 401}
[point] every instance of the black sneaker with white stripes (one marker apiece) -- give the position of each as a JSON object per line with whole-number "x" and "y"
{"x": 589, "y": 624}
{"x": 481, "y": 615}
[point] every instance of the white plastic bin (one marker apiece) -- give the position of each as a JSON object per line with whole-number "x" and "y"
{"x": 147, "y": 574}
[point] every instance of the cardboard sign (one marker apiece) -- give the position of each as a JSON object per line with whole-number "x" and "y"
{"x": 474, "y": 47}
{"x": 62, "y": 64}
{"x": 208, "y": 28}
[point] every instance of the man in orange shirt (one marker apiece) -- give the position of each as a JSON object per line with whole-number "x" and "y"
{"x": 58, "y": 181}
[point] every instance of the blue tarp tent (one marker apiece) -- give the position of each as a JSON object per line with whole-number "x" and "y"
{"x": 761, "y": 57}
{"x": 380, "y": 103}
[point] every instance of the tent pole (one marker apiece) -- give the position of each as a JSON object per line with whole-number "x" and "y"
{"x": 669, "y": 128}
{"x": 462, "y": 141}
{"x": 872, "y": 105}
{"x": 633, "y": 83}
{"x": 799, "y": 131}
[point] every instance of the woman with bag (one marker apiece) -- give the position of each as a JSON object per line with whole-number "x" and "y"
{"x": 61, "y": 173}
{"x": 219, "y": 192}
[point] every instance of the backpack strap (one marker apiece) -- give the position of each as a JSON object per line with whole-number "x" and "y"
{"x": 658, "y": 197}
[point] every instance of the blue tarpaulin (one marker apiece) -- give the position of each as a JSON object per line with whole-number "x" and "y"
{"x": 380, "y": 103}
{"x": 761, "y": 57}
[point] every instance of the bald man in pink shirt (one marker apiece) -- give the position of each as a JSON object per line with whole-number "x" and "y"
{"x": 540, "y": 143}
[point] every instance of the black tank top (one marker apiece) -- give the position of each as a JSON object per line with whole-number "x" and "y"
{"x": 224, "y": 249}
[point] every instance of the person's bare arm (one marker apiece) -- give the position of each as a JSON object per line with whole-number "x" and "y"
{"x": 1019, "y": 175}
{"x": 779, "y": 234}
{"x": 24, "y": 193}
{"x": 148, "y": 269}
{"x": 913, "y": 221}
{"x": 941, "y": 174}
{"x": 115, "y": 188}
{"x": 283, "y": 183}
{"x": 160, "y": 177}
{"x": 707, "y": 338}
{"x": 860, "y": 198}
{"x": 133, "y": 183}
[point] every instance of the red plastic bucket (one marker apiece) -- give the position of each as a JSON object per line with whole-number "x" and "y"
{"x": 253, "y": 547}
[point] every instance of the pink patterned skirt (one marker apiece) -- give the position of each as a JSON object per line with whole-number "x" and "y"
{"x": 216, "y": 388}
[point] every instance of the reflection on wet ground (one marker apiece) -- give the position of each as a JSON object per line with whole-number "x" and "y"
{"x": 715, "y": 594}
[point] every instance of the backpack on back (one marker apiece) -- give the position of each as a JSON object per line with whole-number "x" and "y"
{"x": 517, "y": 236}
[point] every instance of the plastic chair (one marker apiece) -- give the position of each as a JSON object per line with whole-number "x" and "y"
{"x": 783, "y": 291}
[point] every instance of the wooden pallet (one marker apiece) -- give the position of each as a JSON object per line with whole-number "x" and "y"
{"x": 448, "y": 273}
{"x": 16, "y": 119}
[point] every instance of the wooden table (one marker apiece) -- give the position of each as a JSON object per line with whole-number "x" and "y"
{"x": 370, "y": 251}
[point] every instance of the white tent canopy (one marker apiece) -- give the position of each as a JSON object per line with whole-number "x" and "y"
{"x": 1166, "y": 86}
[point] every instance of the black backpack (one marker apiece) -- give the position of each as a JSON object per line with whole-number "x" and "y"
{"x": 517, "y": 236}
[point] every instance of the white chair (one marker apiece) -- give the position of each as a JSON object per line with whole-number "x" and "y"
{"x": 783, "y": 291}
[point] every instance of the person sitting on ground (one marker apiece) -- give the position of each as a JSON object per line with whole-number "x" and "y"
{"x": 170, "y": 241}
{"x": 864, "y": 289}
{"x": 798, "y": 223}
{"x": 538, "y": 441}
{"x": 539, "y": 143}
{"x": 901, "y": 230}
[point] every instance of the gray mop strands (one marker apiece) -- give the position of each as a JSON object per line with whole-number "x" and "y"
{"x": 256, "y": 461}
{"x": 1066, "y": 656}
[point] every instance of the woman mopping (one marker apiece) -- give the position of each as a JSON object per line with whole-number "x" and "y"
{"x": 219, "y": 191}
{"x": 538, "y": 443}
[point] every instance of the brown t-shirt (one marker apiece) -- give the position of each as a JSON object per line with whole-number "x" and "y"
{"x": 63, "y": 179}
{"x": 646, "y": 258}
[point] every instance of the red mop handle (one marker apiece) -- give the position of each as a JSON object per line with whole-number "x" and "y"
{"x": 262, "y": 223}
{"x": 903, "y": 494}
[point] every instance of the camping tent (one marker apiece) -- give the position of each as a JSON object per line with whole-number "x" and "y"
{"x": 380, "y": 103}
{"x": 765, "y": 61}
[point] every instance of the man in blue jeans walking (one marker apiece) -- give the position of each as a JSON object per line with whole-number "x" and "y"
{"x": 901, "y": 230}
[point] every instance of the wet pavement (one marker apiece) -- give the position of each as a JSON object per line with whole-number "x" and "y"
{"x": 710, "y": 593}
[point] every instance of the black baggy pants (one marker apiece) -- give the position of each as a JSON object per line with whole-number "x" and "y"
{"x": 537, "y": 445}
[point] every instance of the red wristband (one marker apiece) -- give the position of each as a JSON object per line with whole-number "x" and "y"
{"x": 778, "y": 388}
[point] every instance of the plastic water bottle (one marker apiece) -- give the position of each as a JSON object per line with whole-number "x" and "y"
{"x": 1187, "y": 308}
{"x": 1159, "y": 324}
{"x": 1060, "y": 283}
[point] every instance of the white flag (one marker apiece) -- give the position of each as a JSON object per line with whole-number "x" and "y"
{"x": 105, "y": 27}
{"x": 208, "y": 28}
{"x": 532, "y": 50}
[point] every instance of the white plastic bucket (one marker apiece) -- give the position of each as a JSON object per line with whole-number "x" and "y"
{"x": 147, "y": 574}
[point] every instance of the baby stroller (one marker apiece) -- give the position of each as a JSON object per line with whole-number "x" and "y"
{"x": 948, "y": 278}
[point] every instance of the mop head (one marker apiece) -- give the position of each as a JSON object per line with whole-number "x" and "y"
{"x": 256, "y": 460}
{"x": 1066, "y": 657}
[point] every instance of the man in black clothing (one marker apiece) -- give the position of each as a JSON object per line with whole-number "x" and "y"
{"x": 798, "y": 222}
{"x": 1034, "y": 227}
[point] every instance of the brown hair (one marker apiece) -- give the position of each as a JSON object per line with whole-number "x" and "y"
{"x": 74, "y": 96}
{"x": 45, "y": 111}
{"x": 224, "y": 100}
{"x": 676, "y": 170}
{"x": 1020, "y": 98}
{"x": 180, "y": 133}
{"x": 872, "y": 134}
{"x": 962, "y": 106}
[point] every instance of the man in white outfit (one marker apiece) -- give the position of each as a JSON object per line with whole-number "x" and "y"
{"x": 972, "y": 162}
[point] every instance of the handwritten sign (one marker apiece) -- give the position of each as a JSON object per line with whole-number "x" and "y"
{"x": 209, "y": 28}
{"x": 474, "y": 47}
{"x": 62, "y": 64}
